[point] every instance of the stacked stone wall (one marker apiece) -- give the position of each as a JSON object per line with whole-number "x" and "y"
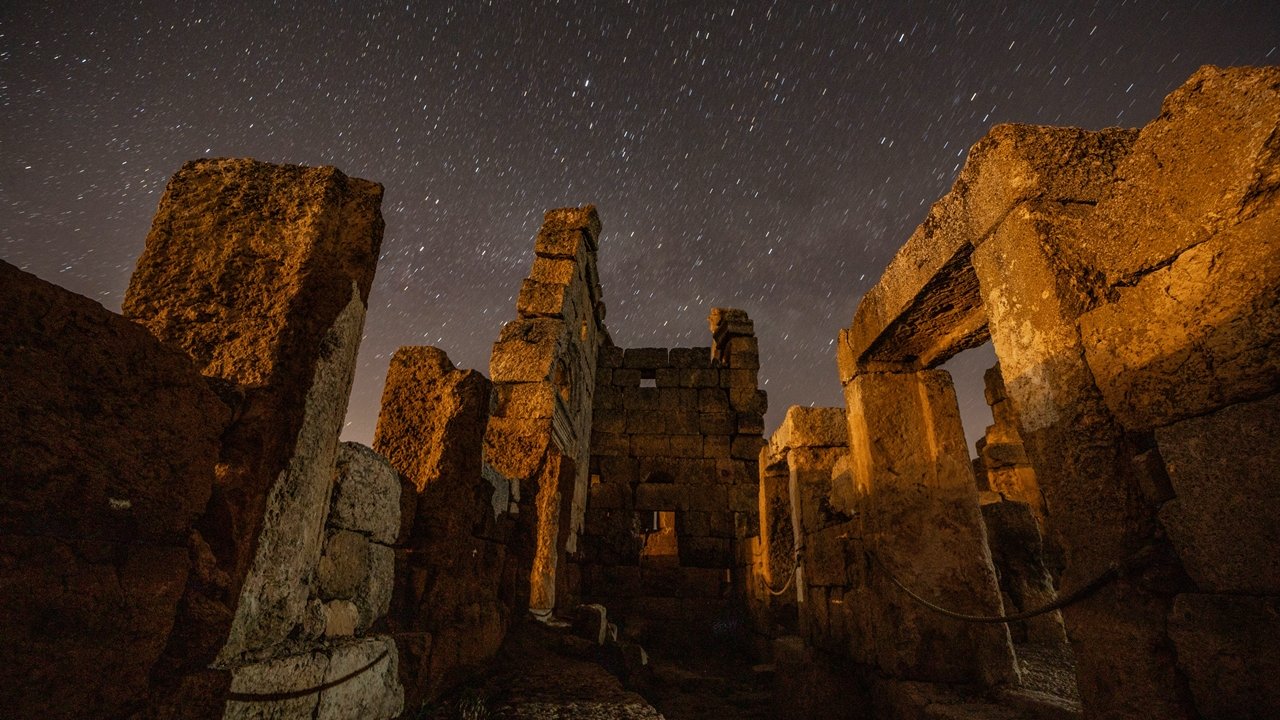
{"x": 675, "y": 433}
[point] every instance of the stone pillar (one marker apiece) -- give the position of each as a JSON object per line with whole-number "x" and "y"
{"x": 777, "y": 534}
{"x": 1008, "y": 470}
{"x": 921, "y": 519}
{"x": 1098, "y": 513}
{"x": 452, "y": 598}
{"x": 261, "y": 274}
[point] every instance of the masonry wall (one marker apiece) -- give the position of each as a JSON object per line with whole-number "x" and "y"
{"x": 677, "y": 433}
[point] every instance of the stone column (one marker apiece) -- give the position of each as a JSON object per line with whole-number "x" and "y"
{"x": 921, "y": 518}
{"x": 261, "y": 274}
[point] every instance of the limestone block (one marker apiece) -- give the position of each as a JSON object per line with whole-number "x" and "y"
{"x": 608, "y": 421}
{"x": 568, "y": 244}
{"x": 539, "y": 299}
{"x": 717, "y": 423}
{"x": 583, "y": 218}
{"x": 626, "y": 378}
{"x": 825, "y": 556}
{"x": 699, "y": 357}
{"x": 353, "y": 568}
{"x": 366, "y": 495}
{"x": 610, "y": 444}
{"x": 1198, "y": 333}
{"x": 609, "y": 356}
{"x": 341, "y": 618}
{"x": 1208, "y": 159}
{"x": 1225, "y": 519}
{"x": 667, "y": 377}
{"x": 660, "y": 496}
{"x": 645, "y": 358}
{"x": 677, "y": 400}
{"x": 641, "y": 398}
{"x": 812, "y": 427}
{"x": 524, "y": 399}
{"x": 735, "y": 472}
{"x": 375, "y": 694}
{"x": 711, "y": 498}
{"x": 683, "y": 421}
{"x": 558, "y": 272}
{"x": 591, "y": 622}
{"x": 706, "y": 552}
{"x": 715, "y": 446}
{"x": 713, "y": 400}
{"x": 750, "y": 424}
{"x": 1226, "y": 647}
{"x": 608, "y": 397}
{"x": 686, "y": 446}
{"x": 748, "y": 400}
{"x": 746, "y": 447}
{"x": 700, "y": 377}
{"x": 646, "y": 422}
{"x": 515, "y": 446}
{"x": 650, "y": 445}
{"x": 525, "y": 350}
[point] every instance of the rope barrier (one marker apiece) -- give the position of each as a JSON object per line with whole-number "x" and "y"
{"x": 295, "y": 694}
{"x": 797, "y": 556}
{"x": 1114, "y": 571}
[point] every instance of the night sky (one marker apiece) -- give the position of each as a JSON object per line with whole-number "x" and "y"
{"x": 765, "y": 155}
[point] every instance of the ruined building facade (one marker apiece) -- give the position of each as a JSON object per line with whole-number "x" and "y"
{"x": 183, "y": 535}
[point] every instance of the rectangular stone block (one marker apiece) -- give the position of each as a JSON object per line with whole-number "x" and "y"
{"x": 746, "y": 447}
{"x": 717, "y": 423}
{"x": 1225, "y": 519}
{"x": 559, "y": 272}
{"x": 626, "y": 378}
{"x": 525, "y": 350}
{"x": 611, "y": 495}
{"x": 660, "y": 496}
{"x": 667, "y": 377}
{"x": 684, "y": 422}
{"x": 709, "y": 498}
{"x": 700, "y": 377}
{"x": 699, "y": 357}
{"x": 568, "y": 244}
{"x": 530, "y": 399}
{"x": 706, "y": 553}
{"x": 607, "y": 398}
{"x": 693, "y": 522}
{"x": 607, "y": 443}
{"x": 650, "y": 445}
{"x": 678, "y": 400}
{"x": 617, "y": 469}
{"x": 713, "y": 400}
{"x": 734, "y": 472}
{"x": 608, "y": 421}
{"x": 686, "y": 446}
{"x": 715, "y": 446}
{"x": 645, "y": 422}
{"x": 538, "y": 299}
{"x": 609, "y": 356}
{"x": 724, "y": 524}
{"x": 748, "y": 400}
{"x": 645, "y": 358}
{"x": 1226, "y": 646}
{"x": 640, "y": 398}
{"x": 750, "y": 424}
{"x": 1194, "y": 335}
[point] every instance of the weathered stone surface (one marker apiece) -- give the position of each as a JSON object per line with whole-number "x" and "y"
{"x": 366, "y": 494}
{"x": 261, "y": 273}
{"x": 812, "y": 427}
{"x": 110, "y": 443}
{"x": 1225, "y": 519}
{"x": 375, "y": 693}
{"x": 926, "y": 307}
{"x": 921, "y": 508}
{"x": 447, "y": 604}
{"x": 1198, "y": 333}
{"x": 1017, "y": 554}
{"x": 1226, "y": 646}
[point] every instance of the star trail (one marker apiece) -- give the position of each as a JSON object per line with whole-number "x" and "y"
{"x": 765, "y": 155}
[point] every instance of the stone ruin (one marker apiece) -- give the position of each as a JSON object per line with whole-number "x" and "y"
{"x": 183, "y": 535}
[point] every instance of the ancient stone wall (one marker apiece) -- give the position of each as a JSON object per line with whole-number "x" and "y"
{"x": 110, "y": 441}
{"x": 453, "y": 596}
{"x": 674, "y": 471}
{"x": 1128, "y": 282}
{"x": 543, "y": 370}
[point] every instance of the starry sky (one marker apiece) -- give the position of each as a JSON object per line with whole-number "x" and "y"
{"x": 765, "y": 155}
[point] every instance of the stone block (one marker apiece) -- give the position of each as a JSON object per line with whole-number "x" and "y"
{"x": 667, "y": 377}
{"x": 583, "y": 218}
{"x": 660, "y": 496}
{"x": 609, "y": 356}
{"x": 640, "y": 398}
{"x": 713, "y": 400}
{"x": 734, "y": 472}
{"x": 678, "y": 400}
{"x": 554, "y": 271}
{"x": 699, "y": 552}
{"x": 375, "y": 694}
{"x": 750, "y": 424}
{"x": 716, "y": 446}
{"x": 539, "y": 299}
{"x": 568, "y": 244}
{"x": 699, "y": 357}
{"x": 717, "y": 423}
{"x": 355, "y": 569}
{"x": 826, "y": 557}
{"x": 1196, "y": 334}
{"x": 609, "y": 495}
{"x": 748, "y": 400}
{"x": 646, "y": 422}
{"x": 366, "y": 495}
{"x": 686, "y": 446}
{"x": 1226, "y": 647}
{"x": 1225, "y": 519}
{"x": 708, "y": 498}
{"x": 608, "y": 420}
{"x": 525, "y": 350}
{"x": 626, "y": 378}
{"x": 746, "y": 447}
{"x": 812, "y": 427}
{"x": 591, "y": 622}
{"x": 684, "y": 422}
{"x": 610, "y": 444}
{"x": 618, "y": 469}
{"x": 650, "y": 445}
{"x": 645, "y": 358}
{"x": 693, "y": 522}
{"x": 700, "y": 377}
{"x": 608, "y": 397}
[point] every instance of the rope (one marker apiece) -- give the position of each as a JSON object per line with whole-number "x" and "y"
{"x": 796, "y": 558}
{"x": 1112, "y": 572}
{"x": 295, "y": 694}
